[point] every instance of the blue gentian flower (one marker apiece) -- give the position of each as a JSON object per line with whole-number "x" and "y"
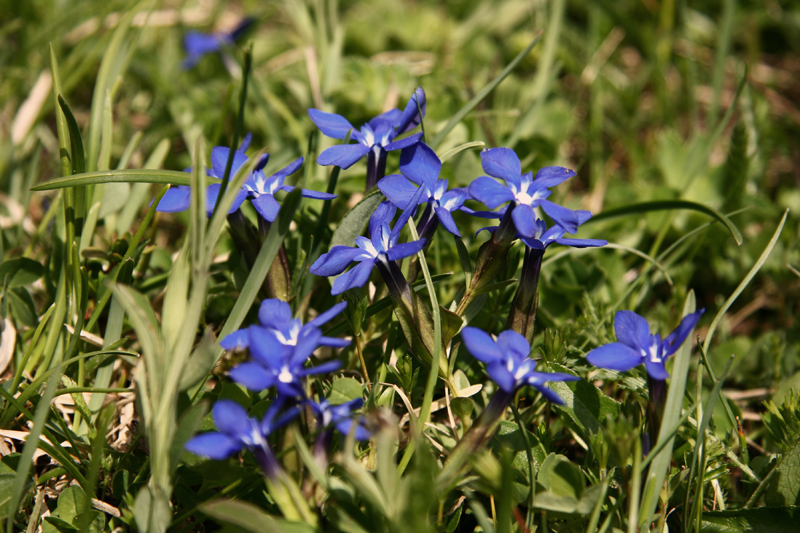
{"x": 257, "y": 187}
{"x": 508, "y": 362}
{"x": 279, "y": 365}
{"x": 238, "y": 432}
{"x": 636, "y": 345}
{"x": 197, "y": 44}
{"x": 420, "y": 168}
{"x": 543, "y": 237}
{"x": 522, "y": 190}
{"x": 341, "y": 416}
{"x": 276, "y": 315}
{"x": 380, "y": 249}
{"x": 375, "y": 138}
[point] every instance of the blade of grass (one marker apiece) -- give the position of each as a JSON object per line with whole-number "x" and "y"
{"x": 165, "y": 177}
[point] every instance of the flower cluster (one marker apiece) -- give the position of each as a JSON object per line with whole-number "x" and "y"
{"x": 197, "y": 44}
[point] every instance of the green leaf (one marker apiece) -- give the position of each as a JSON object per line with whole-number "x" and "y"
{"x": 510, "y": 437}
{"x": 20, "y": 271}
{"x": 661, "y": 205}
{"x": 248, "y": 517}
{"x": 345, "y": 389}
{"x": 762, "y": 520}
{"x": 75, "y": 140}
{"x": 354, "y": 222}
{"x": 584, "y": 403}
{"x": 460, "y": 148}
{"x": 200, "y": 362}
{"x": 22, "y": 307}
{"x": 187, "y": 426}
{"x": 785, "y": 486}
{"x": 561, "y": 477}
{"x": 151, "y": 510}
{"x": 164, "y": 177}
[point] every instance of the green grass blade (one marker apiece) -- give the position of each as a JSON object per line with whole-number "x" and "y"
{"x": 486, "y": 91}
{"x": 661, "y": 205}
{"x": 164, "y": 177}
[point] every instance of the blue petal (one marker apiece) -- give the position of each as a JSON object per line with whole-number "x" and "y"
{"x": 398, "y": 190}
{"x": 383, "y": 214}
{"x": 245, "y": 144}
{"x": 343, "y": 155}
{"x": 552, "y": 176}
{"x": 582, "y": 243}
{"x": 615, "y": 356}
{"x": 333, "y": 342}
{"x": 274, "y": 313}
{"x": 632, "y": 330}
{"x": 237, "y": 340}
{"x": 550, "y": 394}
{"x": 511, "y": 342}
{"x": 483, "y": 214}
{"x": 219, "y": 159}
{"x": 406, "y": 249}
{"x": 490, "y": 192}
{"x": 410, "y": 118}
{"x": 402, "y": 220}
{"x": 252, "y": 375}
{"x": 306, "y": 344}
{"x": 566, "y": 218}
{"x": 335, "y": 261}
{"x": 355, "y": 277}
{"x": 314, "y": 195}
{"x": 288, "y": 170}
{"x": 676, "y": 338}
{"x": 525, "y": 220}
{"x": 454, "y": 200}
{"x": 346, "y": 426}
{"x": 447, "y": 221}
{"x": 420, "y": 164}
{"x": 487, "y": 228}
{"x": 388, "y": 120}
{"x": 231, "y": 419}
{"x": 197, "y": 43}
{"x": 655, "y": 370}
{"x": 213, "y": 445}
{"x": 403, "y": 143}
{"x": 267, "y": 206}
{"x": 502, "y": 163}
{"x": 325, "y": 317}
{"x": 499, "y": 373}
{"x": 325, "y": 368}
{"x": 332, "y": 125}
{"x": 262, "y": 162}
{"x": 265, "y": 348}
{"x": 177, "y": 198}
{"x": 534, "y": 243}
{"x": 481, "y": 345}
{"x": 212, "y": 192}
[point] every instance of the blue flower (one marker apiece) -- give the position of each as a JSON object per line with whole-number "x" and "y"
{"x": 375, "y": 137}
{"x": 279, "y": 365}
{"x": 237, "y": 431}
{"x": 341, "y": 417}
{"x": 420, "y": 168}
{"x": 522, "y": 190}
{"x": 276, "y": 315}
{"x": 636, "y": 345}
{"x": 381, "y": 248}
{"x": 257, "y": 187}
{"x": 198, "y": 44}
{"x": 508, "y": 362}
{"x": 543, "y": 237}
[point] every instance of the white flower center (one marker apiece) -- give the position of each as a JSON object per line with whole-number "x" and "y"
{"x": 285, "y": 376}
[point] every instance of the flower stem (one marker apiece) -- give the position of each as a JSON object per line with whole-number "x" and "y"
{"x": 655, "y": 407}
{"x": 279, "y": 276}
{"x": 522, "y": 316}
{"x": 491, "y": 259}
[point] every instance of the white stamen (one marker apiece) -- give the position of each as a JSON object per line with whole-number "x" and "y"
{"x": 285, "y": 376}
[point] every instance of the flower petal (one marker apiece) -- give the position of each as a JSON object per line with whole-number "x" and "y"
{"x": 314, "y": 195}
{"x": 525, "y": 220}
{"x": 632, "y": 330}
{"x": 420, "y": 164}
{"x": 403, "y": 143}
{"x": 252, "y": 375}
{"x": 615, "y": 356}
{"x": 331, "y": 124}
{"x": 274, "y": 313}
{"x": 397, "y": 189}
{"x": 483, "y": 214}
{"x": 499, "y": 373}
{"x": 325, "y": 368}
{"x": 410, "y": 118}
{"x": 383, "y": 214}
{"x": 238, "y": 340}
{"x": 325, "y": 317}
{"x": 343, "y": 155}
{"x": 333, "y": 342}
{"x": 551, "y": 395}
{"x": 676, "y": 338}
{"x": 564, "y": 217}
{"x": 552, "y": 176}
{"x": 213, "y": 445}
{"x": 454, "y": 199}
{"x": 491, "y": 193}
{"x": 502, "y": 163}
{"x": 481, "y": 345}
{"x": 335, "y": 261}
{"x": 446, "y": 218}
{"x": 306, "y": 344}
{"x": 212, "y": 192}
{"x": 265, "y": 348}
{"x": 177, "y": 198}
{"x": 267, "y": 206}
{"x": 581, "y": 243}
{"x": 219, "y": 160}
{"x": 355, "y": 277}
{"x": 510, "y": 342}
{"x": 288, "y": 170}
{"x": 406, "y": 249}
{"x": 231, "y": 418}
{"x": 655, "y": 370}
